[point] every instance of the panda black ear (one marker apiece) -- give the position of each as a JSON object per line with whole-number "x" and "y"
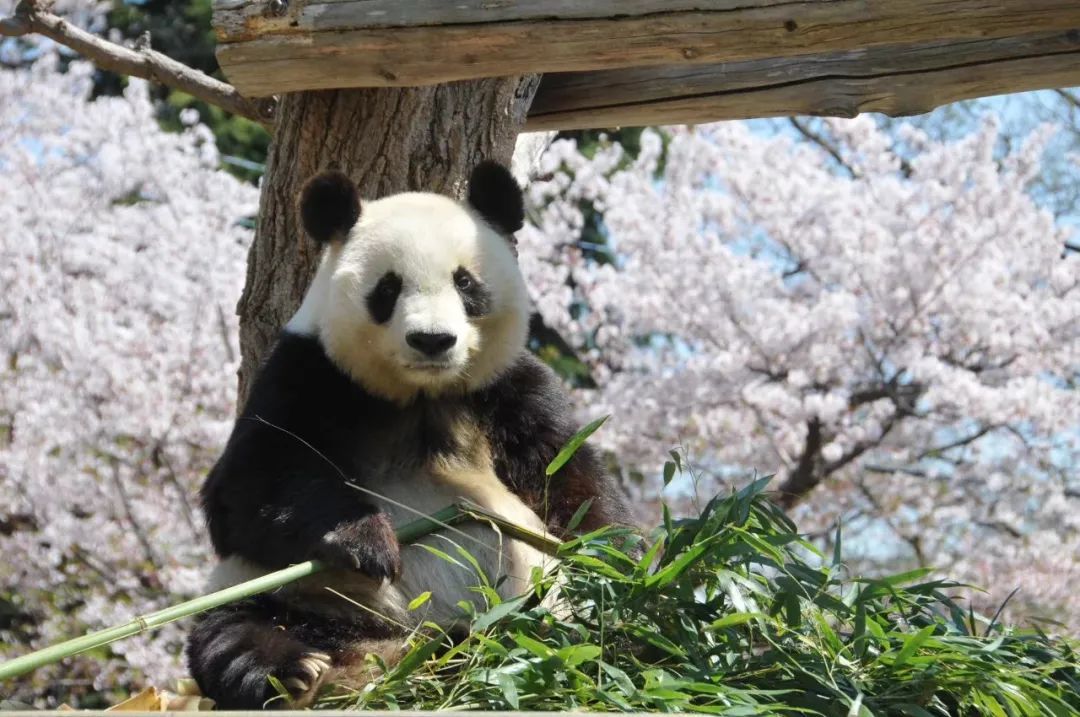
{"x": 496, "y": 196}
{"x": 329, "y": 206}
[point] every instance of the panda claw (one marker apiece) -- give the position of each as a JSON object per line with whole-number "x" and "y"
{"x": 296, "y": 685}
{"x": 313, "y": 667}
{"x": 320, "y": 656}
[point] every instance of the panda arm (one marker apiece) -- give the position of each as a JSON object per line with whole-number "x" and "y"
{"x": 528, "y": 422}
{"x": 275, "y": 508}
{"x": 275, "y": 498}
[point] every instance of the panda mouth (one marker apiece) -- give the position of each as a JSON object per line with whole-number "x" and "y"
{"x": 430, "y": 366}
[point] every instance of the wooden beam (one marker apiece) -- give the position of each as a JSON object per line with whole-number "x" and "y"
{"x": 348, "y": 43}
{"x": 243, "y": 19}
{"x": 897, "y": 81}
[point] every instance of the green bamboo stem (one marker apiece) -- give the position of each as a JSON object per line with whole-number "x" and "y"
{"x": 543, "y": 543}
{"x": 407, "y": 533}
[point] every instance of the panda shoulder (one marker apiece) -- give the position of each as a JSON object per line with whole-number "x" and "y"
{"x": 296, "y": 379}
{"x": 530, "y": 392}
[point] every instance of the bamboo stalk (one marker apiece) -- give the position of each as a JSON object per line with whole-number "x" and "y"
{"x": 544, "y": 543}
{"x": 407, "y": 533}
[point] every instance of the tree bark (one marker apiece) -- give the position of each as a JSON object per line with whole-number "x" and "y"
{"x": 388, "y": 141}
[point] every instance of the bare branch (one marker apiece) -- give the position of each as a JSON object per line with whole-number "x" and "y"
{"x": 903, "y": 395}
{"x": 125, "y": 503}
{"x": 161, "y": 460}
{"x": 1069, "y": 97}
{"x": 825, "y": 144}
{"x": 913, "y": 541}
{"x": 863, "y": 446}
{"x": 937, "y": 451}
{"x": 812, "y": 468}
{"x": 1001, "y": 526}
{"x": 32, "y": 16}
{"x": 807, "y": 472}
{"x": 905, "y": 167}
{"x": 904, "y": 470}
{"x": 223, "y": 328}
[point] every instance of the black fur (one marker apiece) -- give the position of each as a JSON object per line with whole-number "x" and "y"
{"x": 279, "y": 494}
{"x": 368, "y": 545}
{"x": 496, "y": 196}
{"x": 271, "y": 498}
{"x": 329, "y": 206}
{"x": 383, "y": 298}
{"x": 474, "y": 295}
{"x": 233, "y": 650}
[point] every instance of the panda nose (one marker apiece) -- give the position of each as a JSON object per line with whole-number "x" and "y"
{"x": 430, "y": 344}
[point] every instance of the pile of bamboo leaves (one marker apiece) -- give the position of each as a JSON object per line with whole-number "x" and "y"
{"x": 731, "y": 612}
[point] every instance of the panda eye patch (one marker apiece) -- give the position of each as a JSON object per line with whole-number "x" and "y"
{"x": 382, "y": 299}
{"x": 474, "y": 296}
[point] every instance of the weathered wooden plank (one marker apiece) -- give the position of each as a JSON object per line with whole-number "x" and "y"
{"x": 403, "y": 56}
{"x": 896, "y": 81}
{"x": 242, "y": 19}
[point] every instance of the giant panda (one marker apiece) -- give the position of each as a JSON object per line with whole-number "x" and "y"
{"x": 401, "y": 384}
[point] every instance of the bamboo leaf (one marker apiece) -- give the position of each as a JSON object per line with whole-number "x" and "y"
{"x": 737, "y": 618}
{"x": 419, "y": 600}
{"x": 534, "y": 646}
{"x": 669, "y": 472}
{"x": 911, "y": 644}
{"x": 414, "y": 658}
{"x": 573, "y": 445}
{"x": 509, "y": 690}
{"x": 492, "y": 616}
{"x": 579, "y": 515}
{"x": 574, "y": 655}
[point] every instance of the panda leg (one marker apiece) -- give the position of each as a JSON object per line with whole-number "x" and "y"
{"x": 234, "y": 650}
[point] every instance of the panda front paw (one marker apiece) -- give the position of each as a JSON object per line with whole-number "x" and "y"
{"x": 303, "y": 678}
{"x": 368, "y": 545}
{"x": 234, "y": 651}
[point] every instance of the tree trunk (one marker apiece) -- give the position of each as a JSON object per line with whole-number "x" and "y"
{"x": 388, "y": 141}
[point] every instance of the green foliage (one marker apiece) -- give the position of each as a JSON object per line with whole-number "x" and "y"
{"x": 182, "y": 30}
{"x": 733, "y": 613}
{"x": 241, "y": 142}
{"x": 590, "y": 140}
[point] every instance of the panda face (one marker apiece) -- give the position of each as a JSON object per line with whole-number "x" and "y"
{"x": 421, "y": 295}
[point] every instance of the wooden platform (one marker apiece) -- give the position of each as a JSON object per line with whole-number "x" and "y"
{"x": 634, "y": 62}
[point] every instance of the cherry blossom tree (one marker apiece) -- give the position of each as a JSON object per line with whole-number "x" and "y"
{"x": 896, "y": 334}
{"x": 122, "y": 257}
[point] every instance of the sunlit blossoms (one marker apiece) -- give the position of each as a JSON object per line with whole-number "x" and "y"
{"x": 122, "y": 255}
{"x": 896, "y": 336}
{"x": 892, "y": 327}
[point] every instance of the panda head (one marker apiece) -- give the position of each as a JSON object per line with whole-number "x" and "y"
{"x": 416, "y": 293}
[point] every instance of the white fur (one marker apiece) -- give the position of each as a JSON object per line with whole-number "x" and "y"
{"x": 306, "y": 319}
{"x": 424, "y": 238}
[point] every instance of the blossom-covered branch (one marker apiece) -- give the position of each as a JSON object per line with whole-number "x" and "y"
{"x": 123, "y": 250}
{"x": 891, "y": 331}
{"x": 33, "y": 16}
